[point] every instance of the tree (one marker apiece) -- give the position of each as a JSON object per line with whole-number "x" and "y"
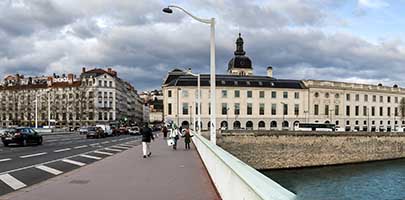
{"x": 402, "y": 108}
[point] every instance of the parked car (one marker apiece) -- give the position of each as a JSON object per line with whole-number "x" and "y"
{"x": 134, "y": 131}
{"x": 83, "y": 130}
{"x": 123, "y": 131}
{"x": 106, "y": 128}
{"x": 95, "y": 132}
{"x": 21, "y": 136}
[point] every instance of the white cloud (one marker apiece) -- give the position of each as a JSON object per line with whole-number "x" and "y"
{"x": 373, "y": 3}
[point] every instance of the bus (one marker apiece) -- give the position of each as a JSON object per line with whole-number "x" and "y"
{"x": 314, "y": 127}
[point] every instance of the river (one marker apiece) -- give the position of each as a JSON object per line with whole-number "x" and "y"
{"x": 381, "y": 180}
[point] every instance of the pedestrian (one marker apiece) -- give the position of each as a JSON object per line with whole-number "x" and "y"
{"x": 165, "y": 132}
{"x": 187, "y": 138}
{"x": 147, "y": 136}
{"x": 174, "y": 135}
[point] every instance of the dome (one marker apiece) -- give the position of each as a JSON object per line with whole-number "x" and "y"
{"x": 240, "y": 60}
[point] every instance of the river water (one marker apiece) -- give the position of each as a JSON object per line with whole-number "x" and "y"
{"x": 381, "y": 180}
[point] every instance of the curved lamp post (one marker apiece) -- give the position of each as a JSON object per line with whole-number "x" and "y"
{"x": 211, "y": 22}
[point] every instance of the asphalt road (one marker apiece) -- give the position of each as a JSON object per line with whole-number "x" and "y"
{"x": 24, "y": 166}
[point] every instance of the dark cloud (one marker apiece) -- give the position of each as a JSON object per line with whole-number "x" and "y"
{"x": 142, "y": 43}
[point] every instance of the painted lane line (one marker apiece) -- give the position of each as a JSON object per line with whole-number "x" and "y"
{"x": 12, "y": 182}
{"x": 5, "y": 159}
{"x": 33, "y": 155}
{"x": 106, "y": 142}
{"x": 49, "y": 169}
{"x": 51, "y": 140}
{"x": 91, "y": 157}
{"x": 120, "y": 147}
{"x": 104, "y": 153}
{"x": 126, "y": 145}
{"x": 109, "y": 149}
{"x": 79, "y": 147}
{"x": 113, "y": 140}
{"x": 74, "y": 162}
{"x": 94, "y": 144}
{"x": 62, "y": 150}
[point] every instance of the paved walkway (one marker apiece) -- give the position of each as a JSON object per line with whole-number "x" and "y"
{"x": 167, "y": 174}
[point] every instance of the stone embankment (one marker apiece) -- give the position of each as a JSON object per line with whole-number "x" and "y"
{"x": 280, "y": 149}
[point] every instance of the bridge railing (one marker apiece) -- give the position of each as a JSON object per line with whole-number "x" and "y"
{"x": 235, "y": 180}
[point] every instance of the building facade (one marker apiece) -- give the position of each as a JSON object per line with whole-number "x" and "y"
{"x": 247, "y": 101}
{"x": 154, "y": 100}
{"x": 97, "y": 96}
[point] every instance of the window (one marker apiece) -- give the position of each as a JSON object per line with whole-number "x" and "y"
{"x": 356, "y": 110}
{"x": 357, "y": 97}
{"x": 372, "y": 111}
{"x": 337, "y": 96}
{"x": 110, "y": 83}
{"x": 249, "y": 108}
{"x": 388, "y": 111}
{"x": 224, "y": 93}
{"x": 296, "y": 109}
{"x": 326, "y": 109}
{"x": 316, "y": 109}
{"x": 185, "y": 108}
{"x": 374, "y": 98}
{"x": 237, "y": 94}
{"x": 237, "y": 108}
{"x": 381, "y": 111}
{"x": 249, "y": 94}
{"x": 347, "y": 110}
{"x": 100, "y": 84}
{"x": 169, "y": 93}
{"x": 381, "y": 99}
{"x": 261, "y": 94}
{"x": 296, "y": 95}
{"x": 327, "y": 95}
{"x": 273, "y": 94}
{"x": 347, "y": 97}
{"x": 364, "y": 110}
{"x": 389, "y": 99}
{"x": 184, "y": 93}
{"x": 365, "y": 97}
{"x": 273, "y": 109}
{"x": 396, "y": 111}
{"x": 285, "y": 95}
{"x": 316, "y": 94}
{"x": 261, "y": 109}
{"x": 169, "y": 108}
{"x": 209, "y": 108}
{"x": 105, "y": 83}
{"x": 336, "y": 109}
{"x": 285, "y": 109}
{"x": 396, "y": 99}
{"x": 224, "y": 109}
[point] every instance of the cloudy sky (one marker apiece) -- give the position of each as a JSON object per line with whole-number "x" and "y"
{"x": 344, "y": 40}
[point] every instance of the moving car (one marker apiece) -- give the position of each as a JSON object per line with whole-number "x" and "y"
{"x": 95, "y": 132}
{"x": 134, "y": 131}
{"x": 106, "y": 128}
{"x": 21, "y": 136}
{"x": 83, "y": 130}
{"x": 123, "y": 131}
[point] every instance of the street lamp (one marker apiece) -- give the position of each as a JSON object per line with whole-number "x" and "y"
{"x": 198, "y": 99}
{"x": 211, "y": 22}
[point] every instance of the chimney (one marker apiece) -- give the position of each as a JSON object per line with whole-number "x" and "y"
{"x": 70, "y": 78}
{"x": 49, "y": 81}
{"x": 270, "y": 72}
{"x": 83, "y": 70}
{"x": 109, "y": 70}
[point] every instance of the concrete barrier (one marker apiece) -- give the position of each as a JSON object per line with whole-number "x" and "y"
{"x": 234, "y": 179}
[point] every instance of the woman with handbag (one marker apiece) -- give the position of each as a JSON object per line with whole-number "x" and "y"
{"x": 174, "y": 136}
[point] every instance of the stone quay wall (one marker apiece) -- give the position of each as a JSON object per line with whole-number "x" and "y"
{"x": 276, "y": 150}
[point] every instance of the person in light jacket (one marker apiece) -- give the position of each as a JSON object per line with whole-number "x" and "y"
{"x": 147, "y": 136}
{"x": 174, "y": 135}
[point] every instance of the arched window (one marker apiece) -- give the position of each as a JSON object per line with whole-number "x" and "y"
{"x": 224, "y": 125}
{"x": 285, "y": 124}
{"x": 209, "y": 125}
{"x": 249, "y": 125}
{"x": 327, "y": 122}
{"x": 184, "y": 124}
{"x": 236, "y": 125}
{"x": 273, "y": 124}
{"x": 262, "y": 125}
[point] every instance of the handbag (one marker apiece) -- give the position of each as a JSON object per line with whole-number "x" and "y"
{"x": 170, "y": 142}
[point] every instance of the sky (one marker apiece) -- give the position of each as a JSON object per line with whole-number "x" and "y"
{"x": 360, "y": 41}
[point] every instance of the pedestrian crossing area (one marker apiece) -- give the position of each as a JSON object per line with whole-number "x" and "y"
{"x": 17, "y": 179}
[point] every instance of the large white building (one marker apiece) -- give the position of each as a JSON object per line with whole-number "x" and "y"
{"x": 248, "y": 101}
{"x": 96, "y": 97}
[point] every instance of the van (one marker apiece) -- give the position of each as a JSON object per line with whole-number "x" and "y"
{"x": 106, "y": 128}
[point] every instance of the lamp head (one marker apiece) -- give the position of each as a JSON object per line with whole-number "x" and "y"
{"x": 167, "y": 10}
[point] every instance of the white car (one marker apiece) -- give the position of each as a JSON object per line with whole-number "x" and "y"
{"x": 106, "y": 128}
{"x": 134, "y": 131}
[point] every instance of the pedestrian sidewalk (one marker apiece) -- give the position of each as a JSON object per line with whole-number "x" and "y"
{"x": 167, "y": 174}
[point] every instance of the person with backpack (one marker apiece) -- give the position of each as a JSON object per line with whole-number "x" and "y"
{"x": 187, "y": 138}
{"x": 147, "y": 136}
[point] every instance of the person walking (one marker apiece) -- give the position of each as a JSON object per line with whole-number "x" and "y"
{"x": 187, "y": 138}
{"x": 165, "y": 132}
{"x": 147, "y": 136}
{"x": 174, "y": 135}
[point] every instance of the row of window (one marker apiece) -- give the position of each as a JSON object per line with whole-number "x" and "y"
{"x": 100, "y": 83}
{"x": 365, "y": 110}
{"x": 249, "y": 94}
{"x": 365, "y": 97}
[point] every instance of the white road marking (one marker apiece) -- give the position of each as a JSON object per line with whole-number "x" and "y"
{"x": 74, "y": 162}
{"x": 121, "y": 147}
{"x": 49, "y": 169}
{"x": 105, "y": 153}
{"x": 109, "y": 149}
{"x": 94, "y": 144}
{"x": 106, "y": 142}
{"x": 91, "y": 157}
{"x": 11, "y": 181}
{"x": 5, "y": 159}
{"x": 61, "y": 150}
{"x": 51, "y": 140}
{"x": 79, "y": 147}
{"x": 33, "y": 155}
{"x": 113, "y": 140}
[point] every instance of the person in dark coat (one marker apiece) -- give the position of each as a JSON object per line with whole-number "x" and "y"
{"x": 187, "y": 138}
{"x": 164, "y": 131}
{"x": 147, "y": 136}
